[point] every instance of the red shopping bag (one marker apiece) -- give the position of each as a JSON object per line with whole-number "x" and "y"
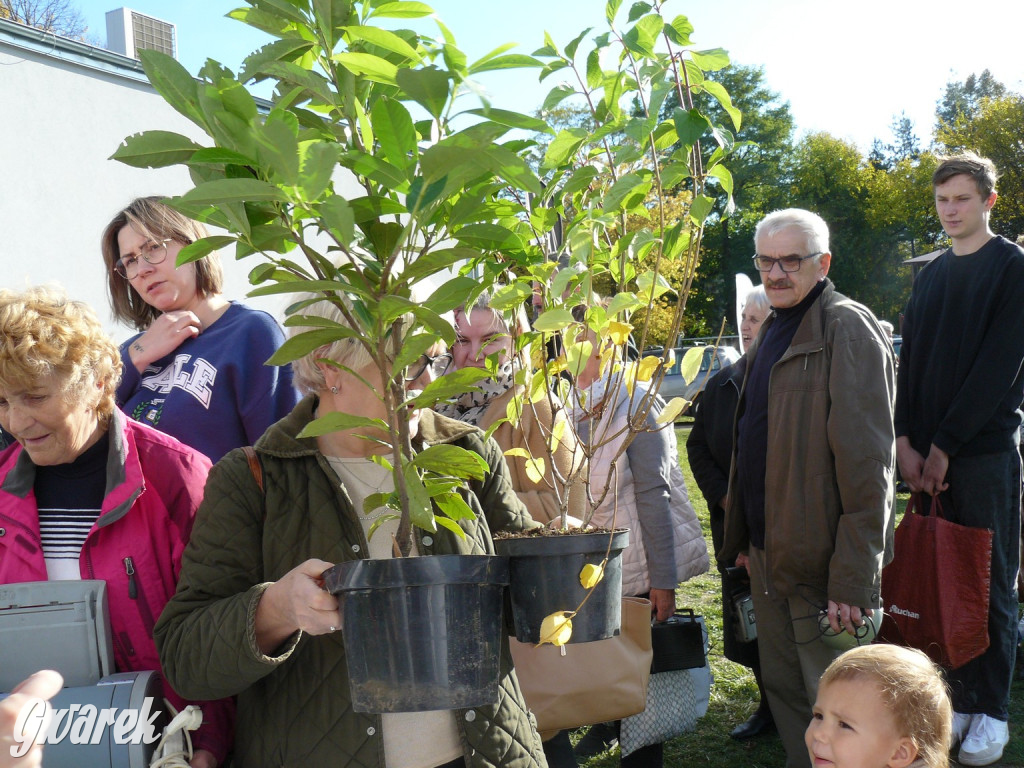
{"x": 935, "y": 592}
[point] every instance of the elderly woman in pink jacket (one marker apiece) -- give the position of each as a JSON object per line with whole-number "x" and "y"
{"x": 86, "y": 493}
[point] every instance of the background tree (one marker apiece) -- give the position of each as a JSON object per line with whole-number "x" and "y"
{"x": 758, "y": 163}
{"x": 961, "y": 101}
{"x": 62, "y": 17}
{"x": 995, "y": 132}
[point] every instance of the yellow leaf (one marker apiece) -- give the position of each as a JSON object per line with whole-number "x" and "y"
{"x": 629, "y": 376}
{"x": 647, "y": 367}
{"x": 691, "y": 363}
{"x": 556, "y": 628}
{"x": 518, "y": 452}
{"x": 619, "y": 332}
{"x": 591, "y": 575}
{"x": 514, "y": 410}
{"x": 535, "y": 470}
{"x": 672, "y": 410}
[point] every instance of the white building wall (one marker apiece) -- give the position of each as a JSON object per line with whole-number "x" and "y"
{"x": 64, "y": 109}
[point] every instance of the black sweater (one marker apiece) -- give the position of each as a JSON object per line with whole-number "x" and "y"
{"x": 960, "y": 383}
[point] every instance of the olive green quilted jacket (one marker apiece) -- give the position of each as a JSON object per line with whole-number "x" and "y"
{"x": 293, "y": 707}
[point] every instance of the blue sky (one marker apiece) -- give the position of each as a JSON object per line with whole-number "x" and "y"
{"x": 845, "y": 68}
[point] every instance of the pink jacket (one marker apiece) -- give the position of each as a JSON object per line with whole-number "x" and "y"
{"x": 135, "y": 545}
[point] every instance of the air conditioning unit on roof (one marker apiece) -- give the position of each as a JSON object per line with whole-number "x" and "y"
{"x": 129, "y": 31}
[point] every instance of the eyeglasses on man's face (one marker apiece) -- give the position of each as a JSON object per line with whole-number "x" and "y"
{"x": 154, "y": 252}
{"x": 789, "y": 263}
{"x": 438, "y": 365}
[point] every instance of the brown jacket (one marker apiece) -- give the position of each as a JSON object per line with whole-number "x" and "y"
{"x": 531, "y": 434}
{"x": 831, "y": 452}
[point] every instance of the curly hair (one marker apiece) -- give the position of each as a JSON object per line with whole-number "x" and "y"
{"x": 913, "y": 691}
{"x": 153, "y": 219}
{"x": 44, "y": 333}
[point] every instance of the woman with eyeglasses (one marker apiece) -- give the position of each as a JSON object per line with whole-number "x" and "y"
{"x": 196, "y": 371}
{"x": 543, "y": 454}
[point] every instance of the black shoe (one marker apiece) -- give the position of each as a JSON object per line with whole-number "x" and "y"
{"x": 759, "y": 722}
{"x": 600, "y": 738}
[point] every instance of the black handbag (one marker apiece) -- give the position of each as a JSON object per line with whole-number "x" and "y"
{"x": 679, "y": 643}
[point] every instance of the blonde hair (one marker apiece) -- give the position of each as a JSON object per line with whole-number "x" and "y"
{"x": 348, "y": 352}
{"x": 912, "y": 690}
{"x": 153, "y": 219}
{"x": 44, "y": 333}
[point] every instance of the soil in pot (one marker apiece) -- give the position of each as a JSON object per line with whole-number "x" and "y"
{"x": 544, "y": 577}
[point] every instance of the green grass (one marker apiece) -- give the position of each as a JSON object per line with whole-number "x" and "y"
{"x": 734, "y": 693}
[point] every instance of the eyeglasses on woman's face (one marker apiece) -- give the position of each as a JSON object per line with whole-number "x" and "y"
{"x": 154, "y": 252}
{"x": 438, "y": 366}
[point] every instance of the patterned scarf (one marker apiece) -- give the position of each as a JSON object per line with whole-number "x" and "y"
{"x": 470, "y": 406}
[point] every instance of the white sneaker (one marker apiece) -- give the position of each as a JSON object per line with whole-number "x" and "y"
{"x": 984, "y": 742}
{"x": 961, "y": 724}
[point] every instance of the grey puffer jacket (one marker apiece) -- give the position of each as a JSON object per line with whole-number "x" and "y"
{"x": 293, "y": 707}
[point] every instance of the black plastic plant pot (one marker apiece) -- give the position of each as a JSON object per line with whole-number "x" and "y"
{"x": 421, "y": 633}
{"x": 545, "y": 578}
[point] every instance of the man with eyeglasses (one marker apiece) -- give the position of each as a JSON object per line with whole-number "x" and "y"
{"x": 809, "y": 506}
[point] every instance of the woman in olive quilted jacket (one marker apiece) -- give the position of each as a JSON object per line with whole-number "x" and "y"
{"x": 251, "y": 619}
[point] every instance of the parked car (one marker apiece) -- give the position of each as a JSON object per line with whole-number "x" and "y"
{"x": 713, "y": 360}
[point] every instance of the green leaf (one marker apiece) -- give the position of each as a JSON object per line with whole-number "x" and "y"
{"x": 369, "y": 66}
{"x": 626, "y": 192}
{"x": 556, "y": 96}
{"x": 174, "y": 83}
{"x": 553, "y": 320}
{"x": 317, "y": 161}
{"x": 650, "y": 281}
{"x": 724, "y": 177}
{"x": 679, "y": 31}
{"x": 513, "y": 119}
{"x": 510, "y": 297}
{"x": 711, "y": 60}
{"x": 690, "y": 125}
{"x": 383, "y": 38}
{"x": 288, "y": 49}
{"x": 623, "y": 302}
{"x": 336, "y": 214}
{"x": 451, "y": 294}
{"x": 337, "y": 421}
{"x": 564, "y": 146}
{"x": 718, "y": 91}
{"x": 421, "y": 511}
{"x": 637, "y": 10}
{"x": 303, "y": 343}
{"x": 492, "y": 237}
{"x": 220, "y": 156}
{"x": 508, "y": 61}
{"x": 643, "y": 36}
{"x": 233, "y": 190}
{"x": 452, "y": 384}
{"x": 700, "y": 208}
{"x": 155, "y": 149}
{"x": 454, "y": 507}
{"x": 580, "y": 179}
{"x": 402, "y": 10}
{"x": 611, "y": 10}
{"x": 594, "y": 73}
{"x": 449, "y": 459}
{"x": 203, "y": 247}
{"x": 393, "y": 126}
{"x": 570, "y": 49}
{"x": 428, "y": 87}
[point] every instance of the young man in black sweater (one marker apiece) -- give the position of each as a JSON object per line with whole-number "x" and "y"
{"x": 959, "y": 392}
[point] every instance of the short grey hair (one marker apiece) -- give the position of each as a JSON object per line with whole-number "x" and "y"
{"x": 348, "y": 352}
{"x": 811, "y": 225}
{"x": 758, "y": 299}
